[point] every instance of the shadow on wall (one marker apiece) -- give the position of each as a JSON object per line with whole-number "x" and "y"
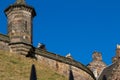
{"x": 33, "y": 73}
{"x": 71, "y": 77}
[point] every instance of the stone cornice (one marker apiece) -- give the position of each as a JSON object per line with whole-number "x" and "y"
{"x": 20, "y": 43}
{"x": 20, "y": 7}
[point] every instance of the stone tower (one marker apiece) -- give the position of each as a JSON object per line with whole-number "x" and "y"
{"x": 97, "y": 65}
{"x": 117, "y": 54}
{"x": 20, "y": 16}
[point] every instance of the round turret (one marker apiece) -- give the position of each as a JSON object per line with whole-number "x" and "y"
{"x": 20, "y": 17}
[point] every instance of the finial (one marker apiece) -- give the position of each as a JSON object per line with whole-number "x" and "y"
{"x": 68, "y": 56}
{"x": 118, "y": 46}
{"x": 41, "y": 46}
{"x": 20, "y": 2}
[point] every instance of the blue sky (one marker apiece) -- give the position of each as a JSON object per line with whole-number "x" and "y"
{"x": 79, "y": 27}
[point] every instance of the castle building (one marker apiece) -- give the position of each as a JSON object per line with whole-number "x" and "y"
{"x": 20, "y": 17}
{"x": 19, "y": 40}
{"x": 97, "y": 65}
{"x": 112, "y": 72}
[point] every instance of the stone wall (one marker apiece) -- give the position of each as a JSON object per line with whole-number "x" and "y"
{"x": 62, "y": 65}
{"x": 4, "y": 42}
{"x": 4, "y": 46}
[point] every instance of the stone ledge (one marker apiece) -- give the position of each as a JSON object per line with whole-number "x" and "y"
{"x": 4, "y": 38}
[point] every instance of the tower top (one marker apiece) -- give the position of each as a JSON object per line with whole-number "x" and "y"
{"x": 20, "y": 2}
{"x": 97, "y": 56}
{"x": 118, "y": 46}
